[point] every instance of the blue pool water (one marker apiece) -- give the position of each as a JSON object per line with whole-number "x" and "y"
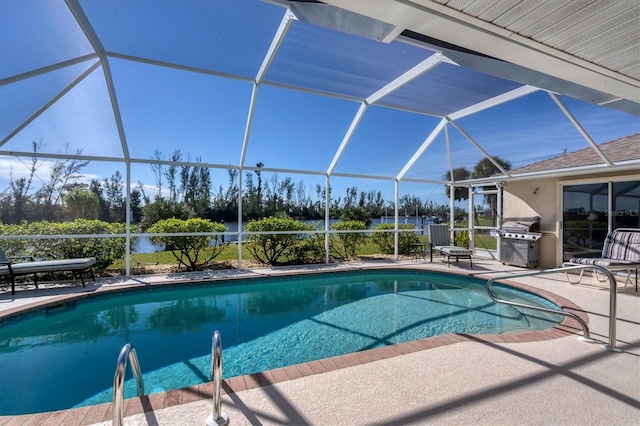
{"x": 65, "y": 356}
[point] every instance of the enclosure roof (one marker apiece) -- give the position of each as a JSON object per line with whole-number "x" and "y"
{"x": 592, "y": 44}
{"x": 391, "y": 90}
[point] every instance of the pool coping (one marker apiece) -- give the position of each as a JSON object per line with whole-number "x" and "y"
{"x": 148, "y": 403}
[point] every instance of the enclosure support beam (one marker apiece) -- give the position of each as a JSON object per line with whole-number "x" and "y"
{"x": 436, "y": 131}
{"x": 580, "y": 129}
{"x": 477, "y": 145}
{"x": 326, "y": 219}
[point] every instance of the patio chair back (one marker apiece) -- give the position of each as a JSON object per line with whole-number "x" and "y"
{"x": 622, "y": 244}
{"x": 439, "y": 235}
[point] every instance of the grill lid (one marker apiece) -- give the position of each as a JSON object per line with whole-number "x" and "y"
{"x": 522, "y": 226}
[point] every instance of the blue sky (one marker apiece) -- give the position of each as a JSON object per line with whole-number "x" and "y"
{"x": 204, "y": 116}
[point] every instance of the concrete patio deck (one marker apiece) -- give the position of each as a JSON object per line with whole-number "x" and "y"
{"x": 549, "y": 378}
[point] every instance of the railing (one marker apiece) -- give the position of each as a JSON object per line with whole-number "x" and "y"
{"x": 128, "y": 351}
{"x": 612, "y": 299}
{"x": 218, "y": 418}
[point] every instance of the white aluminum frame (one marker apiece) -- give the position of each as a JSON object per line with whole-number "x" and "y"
{"x": 289, "y": 17}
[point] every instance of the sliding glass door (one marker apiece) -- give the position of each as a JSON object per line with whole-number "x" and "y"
{"x": 625, "y": 211}
{"x": 590, "y": 211}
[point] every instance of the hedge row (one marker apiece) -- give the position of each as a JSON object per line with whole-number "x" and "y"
{"x": 105, "y": 250}
{"x": 298, "y": 245}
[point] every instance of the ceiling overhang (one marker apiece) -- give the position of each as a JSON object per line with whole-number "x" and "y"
{"x": 457, "y": 34}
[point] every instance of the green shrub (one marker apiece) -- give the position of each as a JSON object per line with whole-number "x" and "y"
{"x": 18, "y": 247}
{"x": 386, "y": 240}
{"x": 193, "y": 252}
{"x": 344, "y": 245}
{"x": 105, "y": 250}
{"x": 308, "y": 250}
{"x": 274, "y": 249}
{"x": 462, "y": 239}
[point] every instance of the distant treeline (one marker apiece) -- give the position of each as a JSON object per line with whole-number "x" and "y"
{"x": 185, "y": 192}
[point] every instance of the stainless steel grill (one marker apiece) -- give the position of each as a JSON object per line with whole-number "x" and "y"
{"x": 519, "y": 243}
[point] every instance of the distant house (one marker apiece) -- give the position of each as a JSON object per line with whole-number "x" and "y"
{"x": 579, "y": 195}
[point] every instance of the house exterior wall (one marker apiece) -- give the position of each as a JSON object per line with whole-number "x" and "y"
{"x": 522, "y": 201}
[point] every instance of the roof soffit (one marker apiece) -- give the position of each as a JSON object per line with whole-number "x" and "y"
{"x": 447, "y": 24}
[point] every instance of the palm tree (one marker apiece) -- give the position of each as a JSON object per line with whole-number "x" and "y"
{"x": 486, "y": 168}
{"x": 459, "y": 173}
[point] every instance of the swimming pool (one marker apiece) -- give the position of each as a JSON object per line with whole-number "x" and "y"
{"x": 65, "y": 356}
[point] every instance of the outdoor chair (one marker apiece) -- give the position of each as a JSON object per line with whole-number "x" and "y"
{"x": 78, "y": 267}
{"x": 620, "y": 252}
{"x": 440, "y": 243}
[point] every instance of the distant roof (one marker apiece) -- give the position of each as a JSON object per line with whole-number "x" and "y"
{"x": 623, "y": 149}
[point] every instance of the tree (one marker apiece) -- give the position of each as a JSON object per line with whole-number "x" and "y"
{"x": 231, "y": 196}
{"x": 158, "y": 172}
{"x": 170, "y": 174}
{"x": 195, "y": 186}
{"x": 103, "y": 206}
{"x": 356, "y": 214}
{"x": 19, "y": 193}
{"x": 115, "y": 200}
{"x": 459, "y": 173}
{"x": 350, "y": 198}
{"x": 64, "y": 173}
{"x": 486, "y": 168}
{"x": 483, "y": 168}
{"x": 250, "y": 197}
{"x": 163, "y": 209}
{"x": 259, "y": 188}
{"x": 19, "y": 190}
{"x": 410, "y": 204}
{"x": 82, "y": 204}
{"x": 136, "y": 205}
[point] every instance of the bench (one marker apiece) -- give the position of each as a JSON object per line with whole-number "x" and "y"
{"x": 620, "y": 252}
{"x": 76, "y": 266}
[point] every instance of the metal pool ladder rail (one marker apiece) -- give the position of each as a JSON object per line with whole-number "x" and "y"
{"x": 218, "y": 418}
{"x": 585, "y": 327}
{"x": 586, "y": 336}
{"x": 128, "y": 351}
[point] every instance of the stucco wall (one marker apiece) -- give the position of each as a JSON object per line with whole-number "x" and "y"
{"x": 526, "y": 199}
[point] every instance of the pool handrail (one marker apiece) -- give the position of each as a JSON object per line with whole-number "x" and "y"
{"x": 128, "y": 351}
{"x": 585, "y": 327}
{"x": 612, "y": 299}
{"x": 218, "y": 418}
